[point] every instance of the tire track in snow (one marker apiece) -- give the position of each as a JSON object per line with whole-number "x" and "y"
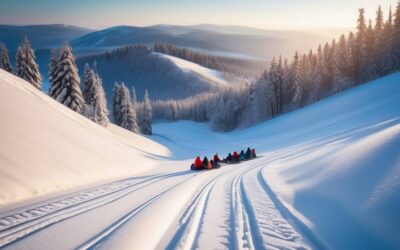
{"x": 245, "y": 234}
{"x": 28, "y": 222}
{"x": 96, "y": 241}
{"x": 190, "y": 222}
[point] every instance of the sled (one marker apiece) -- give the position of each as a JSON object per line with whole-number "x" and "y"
{"x": 199, "y": 169}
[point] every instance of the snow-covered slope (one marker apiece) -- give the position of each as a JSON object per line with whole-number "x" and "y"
{"x": 45, "y": 147}
{"x": 328, "y": 178}
{"x": 334, "y": 164}
{"x": 211, "y": 75}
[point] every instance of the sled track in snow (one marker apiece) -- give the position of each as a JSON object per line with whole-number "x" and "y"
{"x": 97, "y": 240}
{"x": 190, "y": 224}
{"x": 19, "y": 225}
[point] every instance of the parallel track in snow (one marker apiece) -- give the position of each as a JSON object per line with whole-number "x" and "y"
{"x": 19, "y": 225}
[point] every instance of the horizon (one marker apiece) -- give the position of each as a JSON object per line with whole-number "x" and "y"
{"x": 254, "y": 14}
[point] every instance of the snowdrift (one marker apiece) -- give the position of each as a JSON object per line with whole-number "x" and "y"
{"x": 45, "y": 147}
{"x": 335, "y": 164}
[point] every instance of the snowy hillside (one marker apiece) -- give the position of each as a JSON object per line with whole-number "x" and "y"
{"x": 45, "y": 147}
{"x": 328, "y": 178}
{"x": 213, "y": 76}
{"x": 334, "y": 165}
{"x": 138, "y": 66}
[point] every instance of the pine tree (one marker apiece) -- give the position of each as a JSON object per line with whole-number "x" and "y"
{"x": 26, "y": 65}
{"x": 133, "y": 95}
{"x": 297, "y": 80}
{"x": 53, "y": 67}
{"x": 116, "y": 103}
{"x": 378, "y": 49}
{"x": 359, "y": 58}
{"x": 66, "y": 86}
{"x": 396, "y": 39}
{"x": 147, "y": 115}
{"x": 4, "y": 59}
{"x": 89, "y": 85}
{"x": 126, "y": 111}
{"x": 100, "y": 111}
{"x": 368, "y": 71}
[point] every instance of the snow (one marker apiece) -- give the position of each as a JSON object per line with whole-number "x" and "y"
{"x": 335, "y": 165}
{"x": 211, "y": 75}
{"x": 45, "y": 147}
{"x": 328, "y": 177}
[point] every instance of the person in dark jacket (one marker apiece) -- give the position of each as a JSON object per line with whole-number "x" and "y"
{"x": 248, "y": 154}
{"x": 229, "y": 158}
{"x": 253, "y": 153}
{"x": 206, "y": 163}
{"x": 242, "y": 156}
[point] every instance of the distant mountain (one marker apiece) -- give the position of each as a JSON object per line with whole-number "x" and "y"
{"x": 40, "y": 36}
{"x": 211, "y": 38}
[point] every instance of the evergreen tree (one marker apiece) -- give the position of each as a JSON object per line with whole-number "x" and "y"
{"x": 359, "y": 57}
{"x": 297, "y": 80}
{"x": 378, "y": 50}
{"x": 126, "y": 111}
{"x": 89, "y": 85}
{"x": 147, "y": 115}
{"x": 116, "y": 103}
{"x": 99, "y": 106}
{"x": 66, "y": 86}
{"x": 396, "y": 39}
{"x": 368, "y": 72}
{"x": 53, "y": 67}
{"x": 133, "y": 94}
{"x": 4, "y": 59}
{"x": 26, "y": 66}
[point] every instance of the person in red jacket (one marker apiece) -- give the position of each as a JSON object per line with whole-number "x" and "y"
{"x": 216, "y": 158}
{"x": 198, "y": 164}
{"x": 253, "y": 152}
{"x": 235, "y": 156}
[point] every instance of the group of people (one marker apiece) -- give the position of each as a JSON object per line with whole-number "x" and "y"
{"x": 242, "y": 156}
{"x": 232, "y": 157}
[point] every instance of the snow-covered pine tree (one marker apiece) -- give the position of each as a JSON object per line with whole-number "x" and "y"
{"x": 53, "y": 67}
{"x": 116, "y": 103}
{"x": 369, "y": 72}
{"x": 126, "y": 111}
{"x": 4, "y": 59}
{"x": 378, "y": 50}
{"x": 297, "y": 80}
{"x": 359, "y": 57}
{"x": 66, "y": 86}
{"x": 147, "y": 115}
{"x": 100, "y": 111}
{"x": 396, "y": 39}
{"x": 26, "y": 65}
{"x": 89, "y": 86}
{"x": 133, "y": 95}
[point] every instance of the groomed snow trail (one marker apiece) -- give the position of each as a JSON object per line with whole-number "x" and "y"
{"x": 226, "y": 208}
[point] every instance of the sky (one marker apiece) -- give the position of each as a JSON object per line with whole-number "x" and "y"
{"x": 264, "y": 14}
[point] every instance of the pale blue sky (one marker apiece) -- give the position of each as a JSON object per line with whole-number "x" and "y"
{"x": 266, "y": 14}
